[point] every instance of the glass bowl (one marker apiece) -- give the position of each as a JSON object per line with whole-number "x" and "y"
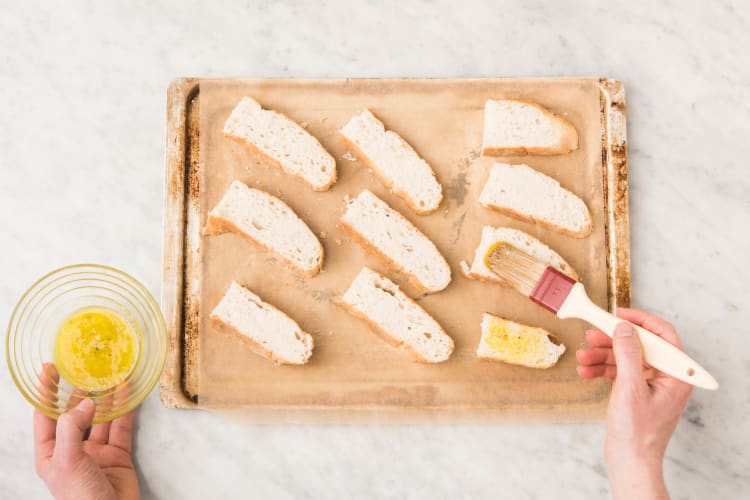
{"x": 41, "y": 311}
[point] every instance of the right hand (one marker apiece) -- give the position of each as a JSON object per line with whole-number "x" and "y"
{"x": 644, "y": 408}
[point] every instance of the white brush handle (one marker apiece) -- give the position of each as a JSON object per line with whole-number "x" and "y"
{"x": 657, "y": 352}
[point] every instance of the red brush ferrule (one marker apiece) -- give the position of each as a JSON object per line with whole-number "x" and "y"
{"x": 552, "y": 289}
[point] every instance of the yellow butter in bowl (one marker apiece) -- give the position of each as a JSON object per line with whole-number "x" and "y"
{"x": 95, "y": 349}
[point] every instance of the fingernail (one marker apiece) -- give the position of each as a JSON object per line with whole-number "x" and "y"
{"x": 624, "y": 330}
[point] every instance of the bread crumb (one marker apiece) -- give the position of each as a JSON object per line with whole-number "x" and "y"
{"x": 338, "y": 241}
{"x": 323, "y": 234}
{"x": 303, "y": 124}
{"x": 349, "y": 156}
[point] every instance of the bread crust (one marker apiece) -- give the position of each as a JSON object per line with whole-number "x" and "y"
{"x": 412, "y": 353}
{"x": 231, "y": 332}
{"x": 270, "y": 159}
{"x": 361, "y": 156}
{"x": 535, "y": 220}
{"x": 568, "y": 137}
{"x": 365, "y": 243}
{"x": 496, "y": 360}
{"x": 218, "y": 225}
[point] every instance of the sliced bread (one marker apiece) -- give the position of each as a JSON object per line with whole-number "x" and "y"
{"x": 263, "y": 328}
{"x": 518, "y": 344}
{"x": 269, "y": 223}
{"x": 282, "y": 141}
{"x": 388, "y": 235}
{"x": 519, "y": 239}
{"x": 397, "y": 318}
{"x": 524, "y": 193}
{"x": 520, "y": 127}
{"x": 394, "y": 161}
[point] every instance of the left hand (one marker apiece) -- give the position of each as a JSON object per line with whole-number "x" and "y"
{"x": 72, "y": 467}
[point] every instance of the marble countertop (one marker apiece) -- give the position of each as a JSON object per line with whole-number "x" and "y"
{"x": 81, "y": 165}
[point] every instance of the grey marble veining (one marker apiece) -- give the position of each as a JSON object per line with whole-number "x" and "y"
{"x": 81, "y": 165}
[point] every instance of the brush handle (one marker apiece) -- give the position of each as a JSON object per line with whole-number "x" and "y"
{"x": 657, "y": 352}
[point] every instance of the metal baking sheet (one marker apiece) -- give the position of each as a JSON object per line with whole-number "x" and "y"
{"x": 353, "y": 375}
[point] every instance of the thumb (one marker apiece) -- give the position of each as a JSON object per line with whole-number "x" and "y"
{"x": 628, "y": 355}
{"x": 71, "y": 427}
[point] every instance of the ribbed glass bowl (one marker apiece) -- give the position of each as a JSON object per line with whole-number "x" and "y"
{"x": 36, "y": 319}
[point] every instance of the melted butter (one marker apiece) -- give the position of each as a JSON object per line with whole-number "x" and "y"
{"x": 515, "y": 342}
{"x": 95, "y": 349}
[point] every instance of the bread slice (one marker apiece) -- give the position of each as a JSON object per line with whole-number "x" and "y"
{"x": 387, "y": 234}
{"x": 521, "y": 127}
{"x": 518, "y": 344}
{"x": 263, "y": 328}
{"x": 523, "y": 193}
{"x": 394, "y": 161}
{"x": 281, "y": 141}
{"x": 519, "y": 239}
{"x": 269, "y": 223}
{"x": 397, "y": 318}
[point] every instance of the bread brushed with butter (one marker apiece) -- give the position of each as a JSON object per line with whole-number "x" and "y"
{"x": 518, "y": 344}
{"x": 390, "y": 236}
{"x": 281, "y": 141}
{"x": 264, "y": 329}
{"x": 269, "y": 223}
{"x": 532, "y": 246}
{"x": 516, "y": 127}
{"x": 529, "y": 195}
{"x": 396, "y": 318}
{"x": 394, "y": 162}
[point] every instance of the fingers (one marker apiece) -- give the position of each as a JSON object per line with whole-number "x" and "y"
{"x": 595, "y": 356}
{"x": 71, "y": 427}
{"x": 651, "y": 323}
{"x": 44, "y": 426}
{"x": 49, "y": 379}
{"x": 595, "y": 371}
{"x": 629, "y": 358}
{"x": 597, "y": 338}
{"x": 121, "y": 432}
{"x": 44, "y": 437}
{"x": 100, "y": 433}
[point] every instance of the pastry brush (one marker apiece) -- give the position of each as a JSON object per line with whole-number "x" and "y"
{"x": 567, "y": 298}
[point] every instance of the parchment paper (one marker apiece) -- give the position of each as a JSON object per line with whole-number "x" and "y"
{"x": 352, "y": 368}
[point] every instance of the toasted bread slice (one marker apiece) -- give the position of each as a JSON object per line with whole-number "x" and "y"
{"x": 269, "y": 223}
{"x": 397, "y": 318}
{"x": 282, "y": 141}
{"x": 518, "y": 344}
{"x": 514, "y": 127}
{"x": 263, "y": 328}
{"x": 519, "y": 239}
{"x": 388, "y": 235}
{"x": 394, "y": 161}
{"x": 523, "y": 193}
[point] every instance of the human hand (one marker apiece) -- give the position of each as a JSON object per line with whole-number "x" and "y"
{"x": 73, "y": 467}
{"x": 644, "y": 408}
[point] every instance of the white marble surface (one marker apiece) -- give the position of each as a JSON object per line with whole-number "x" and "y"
{"x": 81, "y": 162}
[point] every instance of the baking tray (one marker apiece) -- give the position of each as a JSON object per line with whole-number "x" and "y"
{"x": 353, "y": 376}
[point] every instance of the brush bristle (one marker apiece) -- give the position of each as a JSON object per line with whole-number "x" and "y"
{"x": 514, "y": 266}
